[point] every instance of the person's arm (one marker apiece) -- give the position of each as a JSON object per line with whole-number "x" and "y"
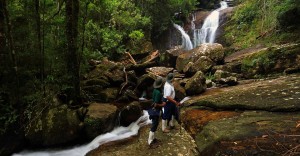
{"x": 173, "y": 101}
{"x": 160, "y": 105}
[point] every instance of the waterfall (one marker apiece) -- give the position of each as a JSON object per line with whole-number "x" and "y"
{"x": 118, "y": 133}
{"x": 196, "y": 32}
{"x": 207, "y": 33}
{"x": 186, "y": 41}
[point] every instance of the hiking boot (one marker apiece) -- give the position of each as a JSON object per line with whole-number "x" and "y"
{"x": 156, "y": 140}
{"x": 153, "y": 145}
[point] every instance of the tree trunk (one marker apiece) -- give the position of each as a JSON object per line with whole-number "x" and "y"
{"x": 72, "y": 11}
{"x": 2, "y": 31}
{"x": 39, "y": 41}
{"x": 11, "y": 49}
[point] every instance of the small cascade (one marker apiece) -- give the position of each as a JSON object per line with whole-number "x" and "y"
{"x": 118, "y": 133}
{"x": 196, "y": 32}
{"x": 207, "y": 33}
{"x": 186, "y": 41}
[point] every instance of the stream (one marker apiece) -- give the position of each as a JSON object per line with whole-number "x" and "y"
{"x": 118, "y": 133}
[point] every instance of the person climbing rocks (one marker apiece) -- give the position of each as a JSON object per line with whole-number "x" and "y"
{"x": 170, "y": 110}
{"x": 154, "y": 111}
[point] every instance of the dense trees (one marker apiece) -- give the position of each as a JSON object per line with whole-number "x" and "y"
{"x": 43, "y": 44}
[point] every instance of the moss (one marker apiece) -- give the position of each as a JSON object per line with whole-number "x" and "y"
{"x": 263, "y": 62}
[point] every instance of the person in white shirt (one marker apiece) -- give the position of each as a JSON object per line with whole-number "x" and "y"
{"x": 170, "y": 111}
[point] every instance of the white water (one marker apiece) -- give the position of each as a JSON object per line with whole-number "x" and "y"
{"x": 196, "y": 32}
{"x": 117, "y": 134}
{"x": 186, "y": 41}
{"x": 207, "y": 33}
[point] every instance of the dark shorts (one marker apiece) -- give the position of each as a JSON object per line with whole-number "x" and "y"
{"x": 169, "y": 110}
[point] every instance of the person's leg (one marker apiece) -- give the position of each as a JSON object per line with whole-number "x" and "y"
{"x": 175, "y": 116}
{"x": 166, "y": 116}
{"x": 153, "y": 128}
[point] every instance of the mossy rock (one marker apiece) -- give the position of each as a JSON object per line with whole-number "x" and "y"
{"x": 53, "y": 127}
{"x": 272, "y": 60}
{"x": 99, "y": 119}
{"x": 280, "y": 94}
{"x": 248, "y": 125}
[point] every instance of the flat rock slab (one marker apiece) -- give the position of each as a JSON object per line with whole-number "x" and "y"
{"x": 251, "y": 133}
{"x": 278, "y": 94}
{"x": 175, "y": 143}
{"x": 262, "y": 121}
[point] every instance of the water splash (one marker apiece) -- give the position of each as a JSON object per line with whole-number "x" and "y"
{"x": 118, "y": 133}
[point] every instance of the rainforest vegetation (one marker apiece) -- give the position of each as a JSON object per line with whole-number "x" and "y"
{"x": 45, "y": 45}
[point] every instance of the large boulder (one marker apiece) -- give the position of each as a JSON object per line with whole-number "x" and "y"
{"x": 280, "y": 94}
{"x": 259, "y": 116}
{"x": 99, "y": 94}
{"x": 196, "y": 84}
{"x": 167, "y": 58}
{"x": 203, "y": 64}
{"x": 179, "y": 90}
{"x": 271, "y": 60}
{"x": 213, "y": 51}
{"x": 53, "y": 127}
{"x": 130, "y": 113}
{"x": 251, "y": 133}
{"x": 145, "y": 85}
{"x": 288, "y": 19}
{"x": 100, "y": 119}
{"x": 101, "y": 82}
{"x": 159, "y": 71}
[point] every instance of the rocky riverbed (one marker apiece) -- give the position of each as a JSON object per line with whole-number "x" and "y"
{"x": 256, "y": 117}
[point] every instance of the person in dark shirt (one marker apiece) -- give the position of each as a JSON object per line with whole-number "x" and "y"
{"x": 154, "y": 111}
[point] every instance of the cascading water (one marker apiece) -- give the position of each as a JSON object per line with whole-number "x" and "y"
{"x": 196, "y": 32}
{"x": 186, "y": 41}
{"x": 117, "y": 134}
{"x": 207, "y": 33}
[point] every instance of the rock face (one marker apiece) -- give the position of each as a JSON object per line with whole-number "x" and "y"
{"x": 213, "y": 52}
{"x": 57, "y": 126}
{"x": 261, "y": 112}
{"x": 272, "y": 60}
{"x": 100, "y": 118}
{"x": 248, "y": 126}
{"x": 130, "y": 113}
{"x": 255, "y": 61}
{"x": 175, "y": 143}
{"x": 196, "y": 84}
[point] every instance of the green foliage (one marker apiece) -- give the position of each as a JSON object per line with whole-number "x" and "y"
{"x": 209, "y": 76}
{"x": 256, "y": 21}
{"x": 105, "y": 28}
{"x": 246, "y": 13}
{"x": 8, "y": 115}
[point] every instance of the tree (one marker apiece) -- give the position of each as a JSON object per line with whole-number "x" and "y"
{"x": 2, "y": 31}
{"x": 72, "y": 11}
{"x": 39, "y": 41}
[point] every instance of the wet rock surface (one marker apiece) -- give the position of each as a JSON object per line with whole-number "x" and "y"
{"x": 280, "y": 94}
{"x": 236, "y": 120}
{"x": 100, "y": 118}
{"x": 257, "y": 117}
{"x": 177, "y": 142}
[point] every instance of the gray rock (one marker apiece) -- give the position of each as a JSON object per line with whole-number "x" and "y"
{"x": 99, "y": 119}
{"x": 53, "y": 127}
{"x": 196, "y": 84}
